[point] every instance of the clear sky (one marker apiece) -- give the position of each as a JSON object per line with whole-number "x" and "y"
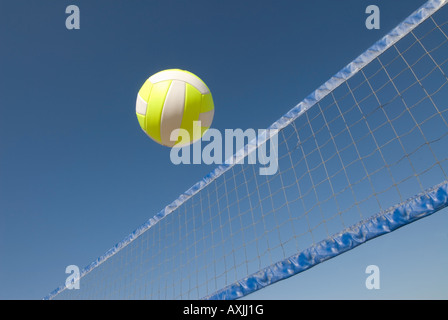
{"x": 77, "y": 174}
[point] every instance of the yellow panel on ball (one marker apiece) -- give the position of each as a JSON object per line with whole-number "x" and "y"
{"x": 156, "y": 101}
{"x": 193, "y": 100}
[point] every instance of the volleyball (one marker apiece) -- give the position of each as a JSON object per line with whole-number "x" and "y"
{"x": 174, "y": 99}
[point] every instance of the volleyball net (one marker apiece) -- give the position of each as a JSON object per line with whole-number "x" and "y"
{"x": 363, "y": 155}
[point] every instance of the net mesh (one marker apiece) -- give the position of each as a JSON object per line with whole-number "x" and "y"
{"x": 372, "y": 142}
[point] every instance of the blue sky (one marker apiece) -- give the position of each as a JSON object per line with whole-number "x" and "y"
{"x": 77, "y": 174}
